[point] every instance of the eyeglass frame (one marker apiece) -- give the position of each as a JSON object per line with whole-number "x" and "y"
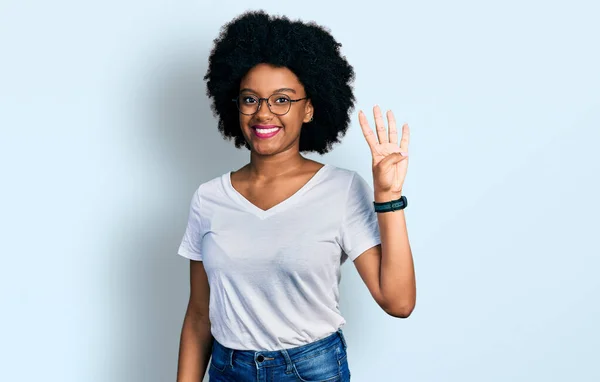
{"x": 259, "y": 99}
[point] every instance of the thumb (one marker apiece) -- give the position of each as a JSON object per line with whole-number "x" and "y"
{"x": 394, "y": 158}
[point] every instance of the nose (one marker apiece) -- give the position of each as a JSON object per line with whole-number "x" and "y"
{"x": 264, "y": 112}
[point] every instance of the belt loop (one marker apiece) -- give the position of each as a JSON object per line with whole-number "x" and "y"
{"x": 339, "y": 331}
{"x": 288, "y": 362}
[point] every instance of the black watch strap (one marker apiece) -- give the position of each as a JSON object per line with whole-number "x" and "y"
{"x": 393, "y": 205}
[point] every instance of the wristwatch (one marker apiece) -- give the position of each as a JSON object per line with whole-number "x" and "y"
{"x": 393, "y": 205}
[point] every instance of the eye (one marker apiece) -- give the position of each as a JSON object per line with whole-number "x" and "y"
{"x": 281, "y": 100}
{"x": 248, "y": 100}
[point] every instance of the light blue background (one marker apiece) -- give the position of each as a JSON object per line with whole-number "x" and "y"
{"x": 106, "y": 132}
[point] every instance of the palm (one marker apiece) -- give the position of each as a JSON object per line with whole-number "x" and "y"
{"x": 388, "y": 175}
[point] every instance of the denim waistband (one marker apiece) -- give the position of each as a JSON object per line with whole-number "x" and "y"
{"x": 279, "y": 357}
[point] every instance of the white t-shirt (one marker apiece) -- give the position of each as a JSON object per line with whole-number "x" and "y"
{"x": 274, "y": 274}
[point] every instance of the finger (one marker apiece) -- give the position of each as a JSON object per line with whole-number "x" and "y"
{"x": 367, "y": 131}
{"x": 405, "y": 138}
{"x": 380, "y": 125}
{"x": 392, "y": 127}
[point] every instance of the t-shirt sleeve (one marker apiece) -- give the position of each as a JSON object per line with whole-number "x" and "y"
{"x": 360, "y": 228}
{"x": 190, "y": 246}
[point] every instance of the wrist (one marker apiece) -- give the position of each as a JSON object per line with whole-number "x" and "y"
{"x": 387, "y": 196}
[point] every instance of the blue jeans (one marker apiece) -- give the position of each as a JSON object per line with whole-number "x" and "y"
{"x": 323, "y": 360}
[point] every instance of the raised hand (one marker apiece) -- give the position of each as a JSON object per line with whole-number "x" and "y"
{"x": 390, "y": 161}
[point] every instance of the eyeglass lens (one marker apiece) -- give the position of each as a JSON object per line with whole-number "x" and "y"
{"x": 277, "y": 103}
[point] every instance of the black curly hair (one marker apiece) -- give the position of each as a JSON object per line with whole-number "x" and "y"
{"x": 307, "y": 49}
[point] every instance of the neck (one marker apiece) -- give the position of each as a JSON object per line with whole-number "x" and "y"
{"x": 270, "y": 167}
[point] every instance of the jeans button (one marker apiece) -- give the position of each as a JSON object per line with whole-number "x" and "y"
{"x": 260, "y": 358}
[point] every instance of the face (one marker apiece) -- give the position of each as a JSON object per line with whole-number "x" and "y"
{"x": 268, "y": 133}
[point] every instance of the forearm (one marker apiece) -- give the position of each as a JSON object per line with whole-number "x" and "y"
{"x": 397, "y": 273}
{"x": 194, "y": 348}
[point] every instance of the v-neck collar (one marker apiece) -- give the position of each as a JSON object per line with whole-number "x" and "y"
{"x": 259, "y": 212}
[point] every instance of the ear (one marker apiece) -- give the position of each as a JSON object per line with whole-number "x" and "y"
{"x": 308, "y": 111}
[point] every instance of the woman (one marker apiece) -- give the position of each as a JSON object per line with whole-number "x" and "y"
{"x": 266, "y": 242}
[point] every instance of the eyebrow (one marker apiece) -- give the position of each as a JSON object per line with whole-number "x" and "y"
{"x": 281, "y": 90}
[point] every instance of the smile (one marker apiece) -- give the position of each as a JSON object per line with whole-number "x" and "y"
{"x": 264, "y": 132}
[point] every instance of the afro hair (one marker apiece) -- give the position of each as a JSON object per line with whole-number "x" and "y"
{"x": 307, "y": 49}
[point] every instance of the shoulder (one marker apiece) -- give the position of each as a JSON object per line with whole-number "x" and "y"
{"x": 211, "y": 187}
{"x": 345, "y": 176}
{"x": 340, "y": 173}
{"x": 354, "y": 187}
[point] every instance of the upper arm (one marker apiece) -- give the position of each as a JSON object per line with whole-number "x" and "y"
{"x": 359, "y": 228}
{"x": 360, "y": 236}
{"x": 368, "y": 265}
{"x": 191, "y": 243}
{"x": 199, "y": 291}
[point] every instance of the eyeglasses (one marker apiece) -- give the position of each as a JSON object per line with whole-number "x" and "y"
{"x": 278, "y": 104}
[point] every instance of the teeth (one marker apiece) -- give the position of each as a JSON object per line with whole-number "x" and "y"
{"x": 267, "y": 131}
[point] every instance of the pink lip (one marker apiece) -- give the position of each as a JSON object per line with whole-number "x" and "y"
{"x": 265, "y": 136}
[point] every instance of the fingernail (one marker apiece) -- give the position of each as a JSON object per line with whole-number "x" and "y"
{"x": 404, "y": 154}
